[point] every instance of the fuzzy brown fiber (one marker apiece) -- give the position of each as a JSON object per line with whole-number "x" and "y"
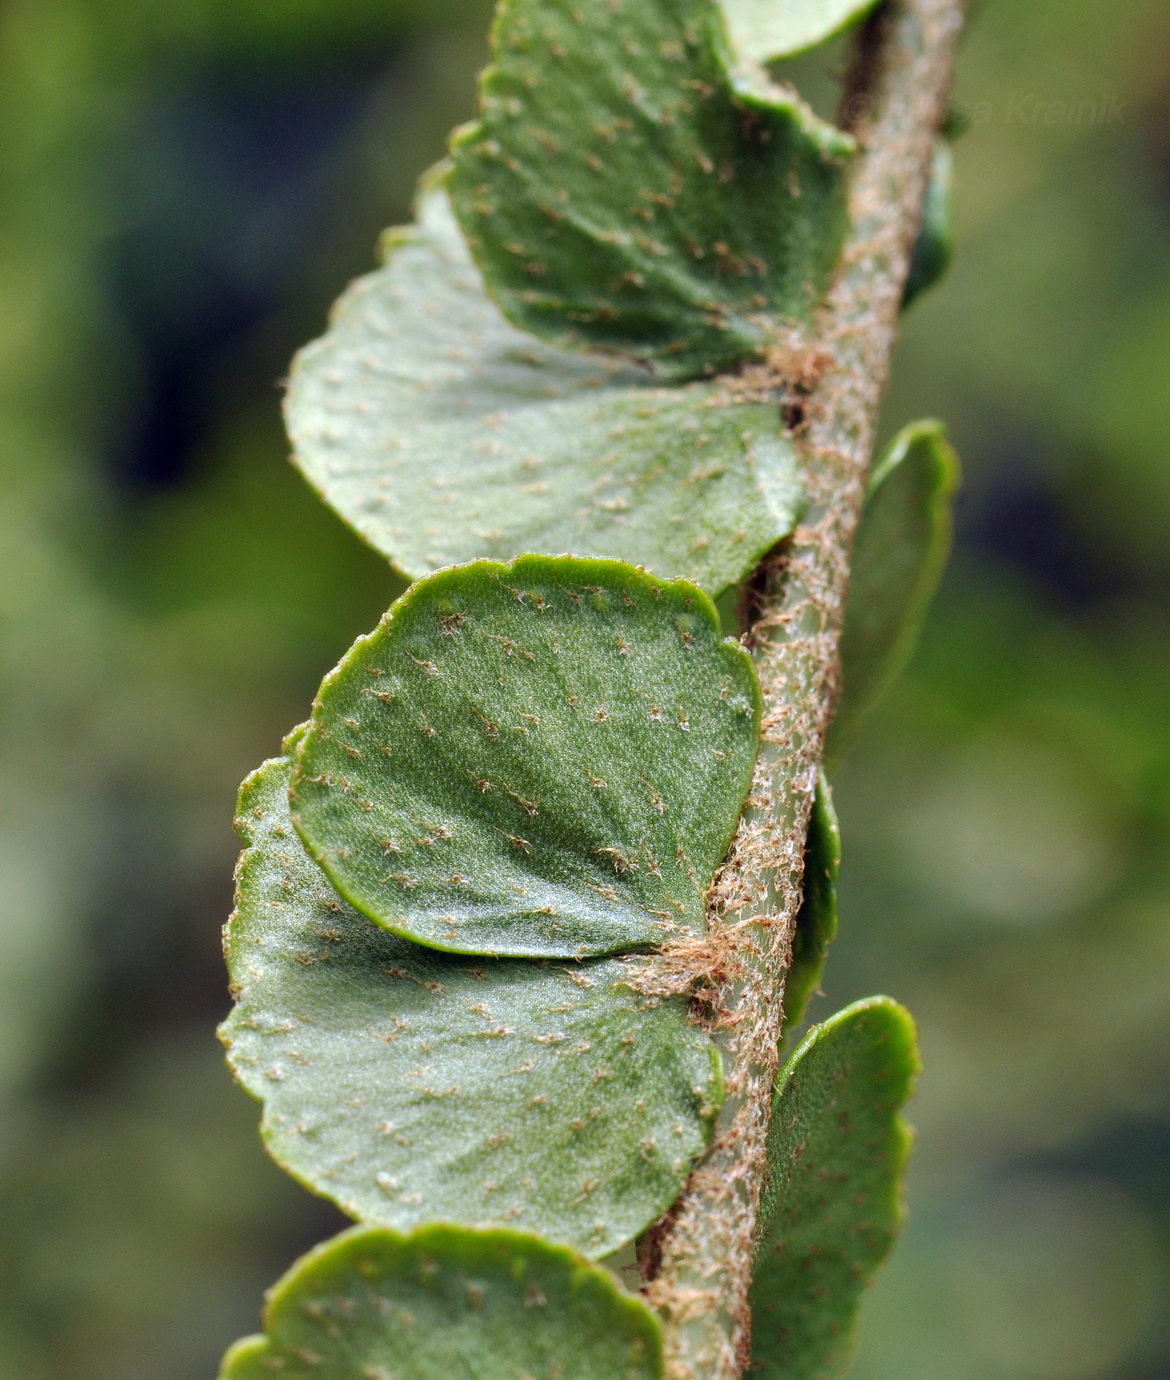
{"x": 829, "y": 387}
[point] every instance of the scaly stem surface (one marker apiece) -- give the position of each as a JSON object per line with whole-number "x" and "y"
{"x": 896, "y": 98}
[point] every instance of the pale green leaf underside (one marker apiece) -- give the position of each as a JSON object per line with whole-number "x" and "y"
{"x": 898, "y": 560}
{"x": 448, "y": 1304}
{"x": 837, "y": 1147}
{"x": 766, "y": 30}
{"x": 631, "y": 193}
{"x": 541, "y": 759}
{"x": 816, "y": 923}
{"x": 411, "y": 1086}
{"x": 442, "y": 434}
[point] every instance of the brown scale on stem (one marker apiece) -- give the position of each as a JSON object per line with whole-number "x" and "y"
{"x": 697, "y": 1260}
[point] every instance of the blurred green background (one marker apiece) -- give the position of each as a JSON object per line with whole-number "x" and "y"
{"x": 183, "y": 190}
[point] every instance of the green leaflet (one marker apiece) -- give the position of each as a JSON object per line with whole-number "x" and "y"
{"x": 408, "y": 1085}
{"x": 632, "y": 193}
{"x": 816, "y": 924}
{"x": 766, "y": 30}
{"x": 898, "y": 559}
{"x": 441, "y": 434}
{"x": 832, "y": 1207}
{"x": 448, "y": 1304}
{"x": 547, "y": 758}
{"x": 935, "y": 246}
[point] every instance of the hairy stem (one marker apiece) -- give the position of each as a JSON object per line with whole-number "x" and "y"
{"x": 896, "y": 99}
